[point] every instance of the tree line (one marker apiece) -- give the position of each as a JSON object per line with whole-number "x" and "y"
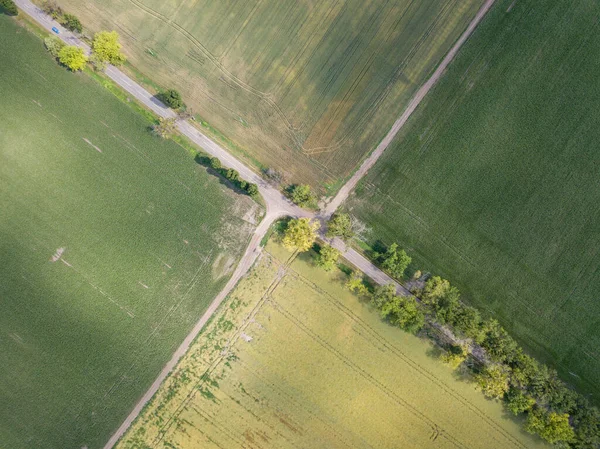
{"x": 479, "y": 346}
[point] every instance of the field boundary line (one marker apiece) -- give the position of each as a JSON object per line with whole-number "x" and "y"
{"x": 410, "y": 109}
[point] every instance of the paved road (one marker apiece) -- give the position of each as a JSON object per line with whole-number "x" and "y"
{"x": 341, "y": 196}
{"x": 277, "y": 205}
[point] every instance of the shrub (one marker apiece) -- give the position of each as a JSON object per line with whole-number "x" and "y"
{"x": 215, "y": 163}
{"x": 232, "y": 175}
{"x": 252, "y": 189}
{"x": 71, "y": 23}
{"x": 54, "y": 45}
{"x": 171, "y": 98}
{"x": 455, "y": 355}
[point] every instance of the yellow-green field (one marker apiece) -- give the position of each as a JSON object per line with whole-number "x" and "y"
{"x": 308, "y": 87}
{"x": 294, "y": 360}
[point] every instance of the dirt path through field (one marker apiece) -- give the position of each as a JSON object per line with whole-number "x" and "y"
{"x": 341, "y": 196}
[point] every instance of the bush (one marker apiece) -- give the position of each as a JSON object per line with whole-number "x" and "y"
{"x": 171, "y": 98}
{"x": 252, "y": 189}
{"x": 9, "y": 7}
{"x": 71, "y": 23}
{"x": 232, "y": 175}
{"x": 356, "y": 284}
{"x": 215, "y": 163}
{"x": 51, "y": 8}
{"x": 455, "y": 355}
{"x": 54, "y": 45}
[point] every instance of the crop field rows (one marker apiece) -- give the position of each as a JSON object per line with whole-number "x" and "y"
{"x": 306, "y": 87}
{"x": 114, "y": 242}
{"x": 494, "y": 182}
{"x": 294, "y": 360}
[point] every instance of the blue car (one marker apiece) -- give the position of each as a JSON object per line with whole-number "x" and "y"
{"x": 55, "y": 30}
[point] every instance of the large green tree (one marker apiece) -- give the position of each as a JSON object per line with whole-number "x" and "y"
{"x": 551, "y": 426}
{"x": 404, "y": 312}
{"x": 106, "y": 47}
{"x": 300, "y": 234}
{"x": 340, "y": 225}
{"x": 302, "y": 195}
{"x": 493, "y": 381}
{"x": 327, "y": 257}
{"x": 73, "y": 57}
{"x": 441, "y": 298}
{"x": 395, "y": 261}
{"x": 9, "y": 7}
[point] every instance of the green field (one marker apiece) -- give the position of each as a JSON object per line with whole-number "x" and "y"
{"x": 293, "y": 360}
{"x": 494, "y": 183}
{"x": 308, "y": 87}
{"x": 113, "y": 244}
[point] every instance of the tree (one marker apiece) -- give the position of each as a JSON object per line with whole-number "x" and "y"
{"x": 54, "y": 45}
{"x": 499, "y": 345}
{"x": 232, "y": 175}
{"x": 73, "y": 57}
{"x": 586, "y": 422}
{"x": 467, "y": 321}
{"x": 215, "y": 163}
{"x": 9, "y": 7}
{"x": 524, "y": 369}
{"x": 383, "y": 294}
{"x": 51, "y": 8}
{"x": 340, "y": 225}
{"x": 404, "y": 312}
{"x": 493, "y": 381}
{"x": 165, "y": 127}
{"x": 252, "y": 189}
{"x": 171, "y": 98}
{"x": 356, "y": 283}
{"x": 97, "y": 64}
{"x": 106, "y": 47}
{"x": 327, "y": 257}
{"x": 518, "y": 402}
{"x": 456, "y": 355}
{"x": 302, "y": 195}
{"x": 396, "y": 261}
{"x": 551, "y": 426}
{"x": 300, "y": 234}
{"x": 71, "y": 23}
{"x": 441, "y": 298}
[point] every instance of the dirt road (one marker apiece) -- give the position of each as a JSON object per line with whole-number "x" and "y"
{"x": 343, "y": 193}
{"x": 277, "y": 205}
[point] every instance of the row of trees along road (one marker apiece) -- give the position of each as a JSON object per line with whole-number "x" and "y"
{"x": 480, "y": 348}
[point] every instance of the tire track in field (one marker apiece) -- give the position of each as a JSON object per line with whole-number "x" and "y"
{"x": 230, "y": 343}
{"x": 402, "y": 356}
{"x": 368, "y": 377}
{"x": 263, "y": 96}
